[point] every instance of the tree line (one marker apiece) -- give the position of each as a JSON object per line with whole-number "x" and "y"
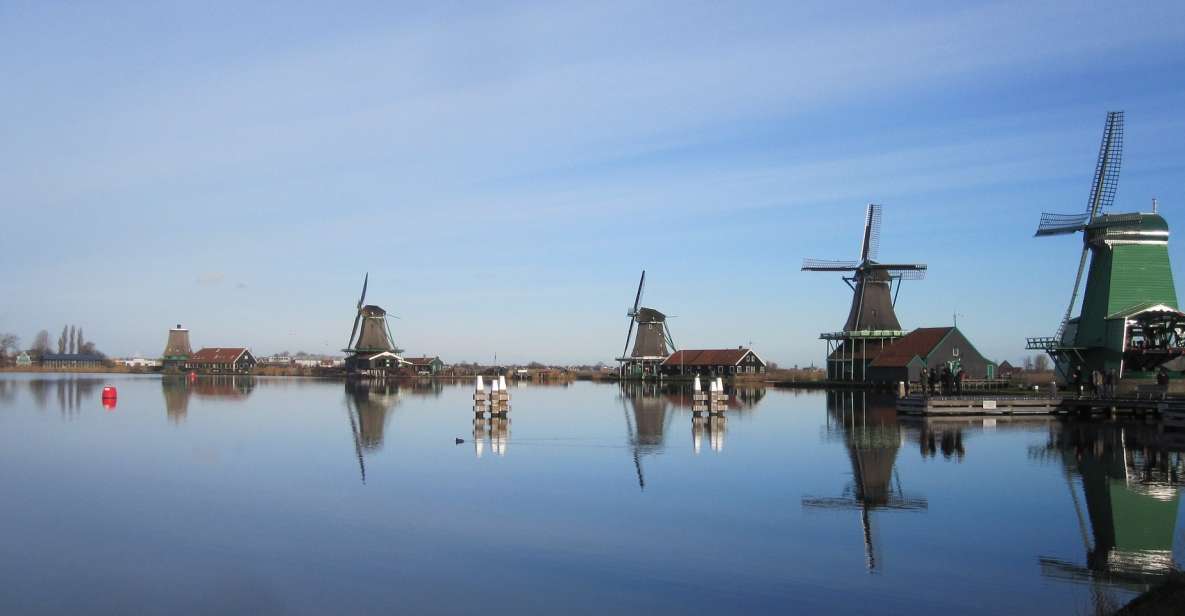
{"x": 71, "y": 341}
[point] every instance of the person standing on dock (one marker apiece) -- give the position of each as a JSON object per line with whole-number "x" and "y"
{"x": 959, "y": 376}
{"x": 1109, "y": 383}
{"x": 924, "y": 380}
{"x": 934, "y": 381}
{"x": 946, "y": 380}
{"x": 1096, "y": 383}
{"x": 1076, "y": 380}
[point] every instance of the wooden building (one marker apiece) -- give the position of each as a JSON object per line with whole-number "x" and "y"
{"x": 72, "y": 360}
{"x": 713, "y": 362}
{"x": 221, "y": 360}
{"x": 933, "y": 348}
{"x": 424, "y": 366}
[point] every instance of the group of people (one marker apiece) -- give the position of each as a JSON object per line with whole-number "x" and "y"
{"x": 1101, "y": 383}
{"x": 951, "y": 382}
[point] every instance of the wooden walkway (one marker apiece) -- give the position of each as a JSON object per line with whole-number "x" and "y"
{"x": 1170, "y": 409}
{"x": 979, "y": 404}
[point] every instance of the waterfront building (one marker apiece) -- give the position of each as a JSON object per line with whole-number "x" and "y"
{"x": 140, "y": 362}
{"x": 1129, "y": 319}
{"x": 713, "y": 362}
{"x": 934, "y": 348}
{"x": 72, "y": 360}
{"x": 375, "y": 353}
{"x": 652, "y": 344}
{"x": 872, "y": 323}
{"x": 23, "y": 360}
{"x": 276, "y": 360}
{"x": 221, "y": 360}
{"x": 177, "y": 349}
{"x": 425, "y": 366}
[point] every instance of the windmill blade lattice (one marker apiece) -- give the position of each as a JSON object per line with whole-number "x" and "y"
{"x": 871, "y": 245}
{"x": 1106, "y": 174}
{"x": 829, "y": 265}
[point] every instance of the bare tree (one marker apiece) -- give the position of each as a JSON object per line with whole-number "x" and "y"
{"x": 1041, "y": 363}
{"x": 72, "y": 341}
{"x": 8, "y": 342}
{"x": 62, "y": 340}
{"x": 79, "y": 343}
{"x": 41, "y": 343}
{"x": 1029, "y": 363}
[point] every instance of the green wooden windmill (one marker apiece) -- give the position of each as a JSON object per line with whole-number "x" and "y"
{"x": 1129, "y": 320}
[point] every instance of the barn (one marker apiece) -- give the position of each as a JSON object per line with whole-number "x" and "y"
{"x": 932, "y": 348}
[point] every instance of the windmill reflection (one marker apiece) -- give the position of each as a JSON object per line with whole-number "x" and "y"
{"x": 872, "y": 436}
{"x": 1131, "y": 483}
{"x": 646, "y": 408}
{"x": 492, "y": 433}
{"x": 178, "y": 390}
{"x": 368, "y": 405}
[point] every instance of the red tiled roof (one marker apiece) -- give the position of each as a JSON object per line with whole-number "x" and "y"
{"x": 917, "y": 343}
{"x": 706, "y": 357}
{"x": 419, "y": 361}
{"x": 217, "y": 355}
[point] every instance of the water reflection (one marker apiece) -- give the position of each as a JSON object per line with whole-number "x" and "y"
{"x": 711, "y": 426}
{"x": 492, "y": 434}
{"x": 177, "y": 390}
{"x": 368, "y": 405}
{"x": 1130, "y": 489}
{"x": 646, "y": 407}
{"x": 423, "y": 387}
{"x": 649, "y": 408}
{"x": 69, "y": 392}
{"x": 872, "y": 436}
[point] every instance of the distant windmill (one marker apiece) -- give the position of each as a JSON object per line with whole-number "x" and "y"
{"x": 1130, "y": 293}
{"x": 872, "y": 317}
{"x": 375, "y": 351}
{"x": 652, "y": 344}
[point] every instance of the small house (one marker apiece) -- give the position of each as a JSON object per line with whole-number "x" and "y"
{"x": 425, "y": 366}
{"x": 713, "y": 362}
{"x": 23, "y": 360}
{"x": 221, "y": 360}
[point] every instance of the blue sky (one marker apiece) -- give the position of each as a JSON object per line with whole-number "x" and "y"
{"x": 505, "y": 172}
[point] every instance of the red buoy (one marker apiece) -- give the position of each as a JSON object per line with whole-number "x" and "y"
{"x": 109, "y": 397}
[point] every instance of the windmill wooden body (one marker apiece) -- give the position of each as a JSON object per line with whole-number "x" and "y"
{"x": 375, "y": 353}
{"x": 1129, "y": 319}
{"x": 872, "y": 321}
{"x": 652, "y": 344}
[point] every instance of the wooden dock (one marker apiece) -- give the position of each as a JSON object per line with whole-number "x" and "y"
{"x": 1171, "y": 410}
{"x": 979, "y": 404}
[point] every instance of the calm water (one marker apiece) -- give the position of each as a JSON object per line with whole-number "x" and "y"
{"x": 305, "y": 497}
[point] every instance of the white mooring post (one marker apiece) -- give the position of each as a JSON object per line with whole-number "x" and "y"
{"x": 480, "y": 397}
{"x": 698, "y": 398}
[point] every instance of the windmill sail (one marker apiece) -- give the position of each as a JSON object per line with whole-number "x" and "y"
{"x": 1102, "y": 196}
{"x": 873, "y": 298}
